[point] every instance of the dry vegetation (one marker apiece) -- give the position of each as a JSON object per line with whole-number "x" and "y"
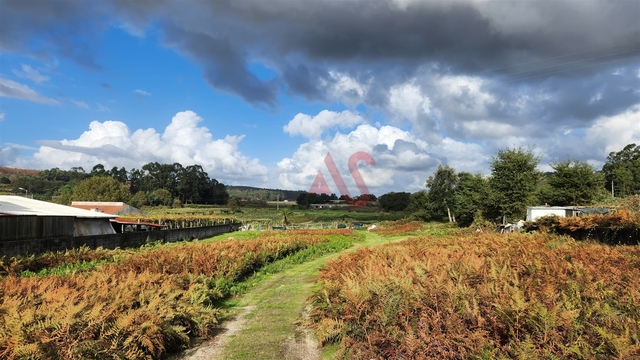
{"x": 620, "y": 227}
{"x": 482, "y": 296}
{"x": 182, "y": 220}
{"x": 391, "y": 228}
{"x": 139, "y": 307}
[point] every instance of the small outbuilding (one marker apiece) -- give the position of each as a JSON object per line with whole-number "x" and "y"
{"x": 23, "y": 219}
{"x": 535, "y": 212}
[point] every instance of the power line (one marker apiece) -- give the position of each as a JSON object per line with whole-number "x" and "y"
{"x": 572, "y": 62}
{"x": 573, "y": 68}
{"x": 557, "y": 57}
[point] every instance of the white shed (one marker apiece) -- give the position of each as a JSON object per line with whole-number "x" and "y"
{"x": 535, "y": 212}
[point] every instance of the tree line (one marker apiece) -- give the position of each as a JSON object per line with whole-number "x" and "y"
{"x": 153, "y": 184}
{"x": 514, "y": 183}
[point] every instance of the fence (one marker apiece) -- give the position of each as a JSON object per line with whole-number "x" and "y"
{"x": 110, "y": 241}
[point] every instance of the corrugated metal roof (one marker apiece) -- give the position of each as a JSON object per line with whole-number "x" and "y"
{"x": 116, "y": 208}
{"x": 18, "y": 205}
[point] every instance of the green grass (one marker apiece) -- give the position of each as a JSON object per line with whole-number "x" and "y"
{"x": 279, "y": 299}
{"x": 270, "y": 216}
{"x": 65, "y": 268}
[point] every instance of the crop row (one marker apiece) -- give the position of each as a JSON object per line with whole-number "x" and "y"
{"x": 140, "y": 307}
{"x": 482, "y": 296}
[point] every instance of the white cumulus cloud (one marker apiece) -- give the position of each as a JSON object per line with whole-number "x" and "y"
{"x": 112, "y": 143}
{"x": 398, "y": 156}
{"x": 313, "y": 127}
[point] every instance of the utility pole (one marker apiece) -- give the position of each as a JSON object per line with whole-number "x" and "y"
{"x": 278, "y": 202}
{"x": 612, "y": 193}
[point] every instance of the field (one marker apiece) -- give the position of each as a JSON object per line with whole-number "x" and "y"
{"x": 265, "y": 216}
{"x": 136, "y": 304}
{"x": 411, "y": 291}
{"x": 482, "y": 296}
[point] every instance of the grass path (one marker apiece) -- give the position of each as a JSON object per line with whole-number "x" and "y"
{"x": 269, "y": 320}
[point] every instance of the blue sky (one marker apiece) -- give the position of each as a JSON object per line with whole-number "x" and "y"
{"x": 259, "y": 92}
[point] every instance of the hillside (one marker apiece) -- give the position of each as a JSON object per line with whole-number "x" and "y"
{"x": 4, "y": 170}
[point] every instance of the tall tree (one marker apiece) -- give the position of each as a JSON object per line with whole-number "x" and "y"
{"x": 572, "y": 183}
{"x": 623, "y": 170}
{"x": 119, "y": 174}
{"x": 194, "y": 184}
{"x": 219, "y": 195}
{"x": 441, "y": 195}
{"x": 418, "y": 205}
{"x": 135, "y": 179}
{"x": 471, "y": 193}
{"x": 101, "y": 188}
{"x": 513, "y": 183}
{"x": 98, "y": 170}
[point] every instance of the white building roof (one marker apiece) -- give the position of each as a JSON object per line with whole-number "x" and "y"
{"x": 18, "y": 205}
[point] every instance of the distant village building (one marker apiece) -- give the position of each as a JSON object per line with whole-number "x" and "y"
{"x": 329, "y": 206}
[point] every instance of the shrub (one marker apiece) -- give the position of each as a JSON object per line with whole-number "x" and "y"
{"x": 482, "y": 296}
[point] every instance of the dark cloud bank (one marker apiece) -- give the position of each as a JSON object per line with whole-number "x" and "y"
{"x": 559, "y": 55}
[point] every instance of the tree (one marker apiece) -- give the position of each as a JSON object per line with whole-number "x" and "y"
{"x": 135, "y": 177}
{"x": 140, "y": 199}
{"x": 119, "y": 174}
{"x": 394, "y": 201}
{"x": 161, "y": 197}
{"x": 286, "y": 213}
{"x": 101, "y": 188}
{"x": 441, "y": 196}
{"x": 233, "y": 205}
{"x": 572, "y": 183}
{"x": 98, "y": 170}
{"x": 219, "y": 194}
{"x": 418, "y": 205}
{"x": 194, "y": 184}
{"x": 470, "y": 195}
{"x": 64, "y": 194}
{"x": 305, "y": 199}
{"x": 513, "y": 183}
{"x": 623, "y": 170}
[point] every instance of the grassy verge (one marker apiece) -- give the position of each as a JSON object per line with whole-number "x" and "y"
{"x": 279, "y": 301}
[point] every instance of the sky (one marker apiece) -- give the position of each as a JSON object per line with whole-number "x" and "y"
{"x": 259, "y": 92}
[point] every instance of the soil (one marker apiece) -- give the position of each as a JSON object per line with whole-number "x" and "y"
{"x": 302, "y": 346}
{"x": 210, "y": 350}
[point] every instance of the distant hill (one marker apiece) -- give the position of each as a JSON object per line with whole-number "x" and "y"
{"x": 13, "y": 171}
{"x": 249, "y": 193}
